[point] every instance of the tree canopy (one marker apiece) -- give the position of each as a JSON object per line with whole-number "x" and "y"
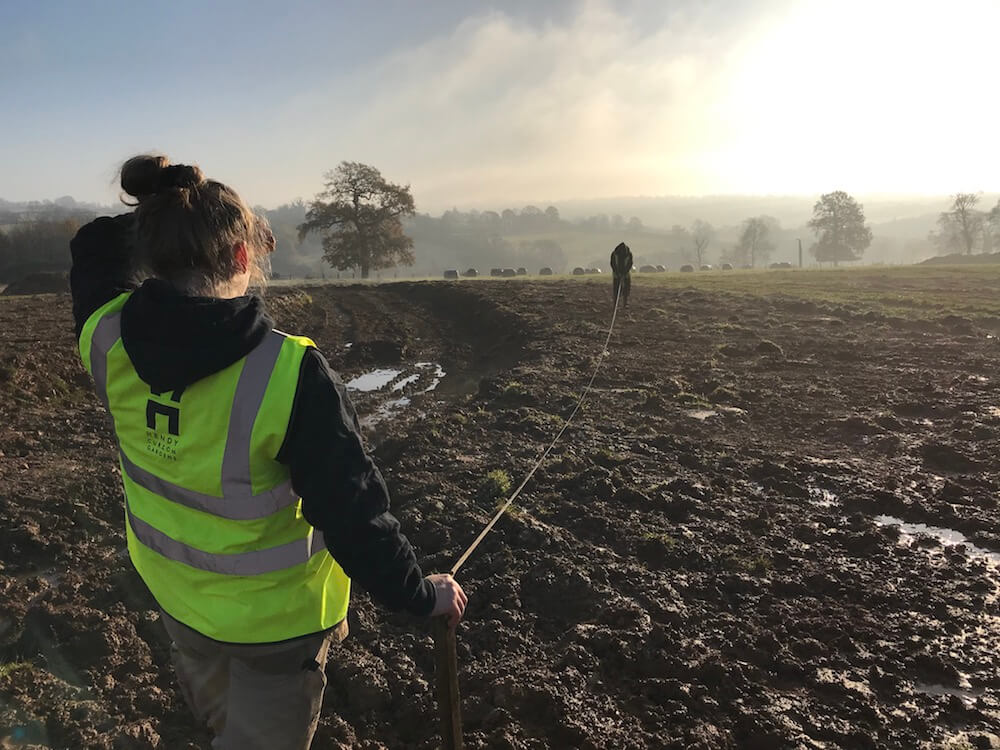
{"x": 358, "y": 215}
{"x": 839, "y": 224}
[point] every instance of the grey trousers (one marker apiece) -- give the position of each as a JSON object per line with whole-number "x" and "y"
{"x": 253, "y": 696}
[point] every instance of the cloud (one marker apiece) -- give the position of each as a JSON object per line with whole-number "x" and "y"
{"x": 500, "y": 107}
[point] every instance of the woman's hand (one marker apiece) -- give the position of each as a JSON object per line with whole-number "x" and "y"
{"x": 450, "y": 601}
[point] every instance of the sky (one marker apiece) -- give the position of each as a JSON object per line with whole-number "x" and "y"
{"x": 479, "y": 104}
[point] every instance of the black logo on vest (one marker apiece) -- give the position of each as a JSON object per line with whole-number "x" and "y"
{"x": 164, "y": 446}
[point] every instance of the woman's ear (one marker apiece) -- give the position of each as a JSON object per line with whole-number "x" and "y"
{"x": 241, "y": 256}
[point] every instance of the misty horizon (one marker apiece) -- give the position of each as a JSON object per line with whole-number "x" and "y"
{"x": 792, "y": 210}
{"x": 498, "y": 105}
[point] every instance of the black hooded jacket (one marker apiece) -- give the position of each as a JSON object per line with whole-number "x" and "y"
{"x": 174, "y": 340}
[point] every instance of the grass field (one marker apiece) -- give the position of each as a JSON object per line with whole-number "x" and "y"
{"x": 902, "y": 290}
{"x": 907, "y": 291}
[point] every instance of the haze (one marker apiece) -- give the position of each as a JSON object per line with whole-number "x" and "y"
{"x": 480, "y": 106}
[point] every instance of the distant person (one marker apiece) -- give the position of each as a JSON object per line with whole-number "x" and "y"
{"x": 621, "y": 267}
{"x": 250, "y": 501}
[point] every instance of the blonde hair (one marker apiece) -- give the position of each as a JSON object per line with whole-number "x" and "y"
{"x": 187, "y": 225}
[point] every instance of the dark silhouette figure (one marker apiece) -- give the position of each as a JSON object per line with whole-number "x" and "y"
{"x": 621, "y": 265}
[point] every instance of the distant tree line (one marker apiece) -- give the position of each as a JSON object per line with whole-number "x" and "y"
{"x": 475, "y": 239}
{"x": 35, "y": 237}
{"x": 532, "y": 219}
{"x": 361, "y": 224}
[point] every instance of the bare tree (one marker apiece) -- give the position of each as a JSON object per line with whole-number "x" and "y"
{"x": 755, "y": 244}
{"x": 991, "y": 232}
{"x": 961, "y": 226}
{"x": 702, "y": 233}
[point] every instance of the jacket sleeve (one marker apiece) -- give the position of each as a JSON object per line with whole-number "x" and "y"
{"x": 344, "y": 495}
{"x": 102, "y": 265}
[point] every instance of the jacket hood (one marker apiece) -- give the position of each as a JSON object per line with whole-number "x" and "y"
{"x": 174, "y": 340}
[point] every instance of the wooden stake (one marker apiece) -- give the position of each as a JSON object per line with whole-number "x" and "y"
{"x": 449, "y": 700}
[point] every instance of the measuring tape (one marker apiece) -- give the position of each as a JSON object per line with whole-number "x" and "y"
{"x": 503, "y": 509}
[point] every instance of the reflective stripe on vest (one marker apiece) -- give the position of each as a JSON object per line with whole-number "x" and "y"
{"x": 108, "y": 331}
{"x": 252, "y": 563}
{"x": 238, "y": 502}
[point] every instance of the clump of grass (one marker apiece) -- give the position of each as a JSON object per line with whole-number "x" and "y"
{"x": 609, "y": 459}
{"x": 690, "y": 399}
{"x": 539, "y": 424}
{"x": 759, "y": 564}
{"x": 657, "y": 488}
{"x": 495, "y": 486}
{"x": 724, "y": 394}
{"x": 665, "y": 539}
{"x": 10, "y": 667}
{"x": 514, "y": 389}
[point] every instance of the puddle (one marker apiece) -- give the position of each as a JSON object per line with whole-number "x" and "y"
{"x": 378, "y": 379}
{"x": 701, "y": 414}
{"x": 438, "y": 376}
{"x": 423, "y": 376}
{"x": 385, "y": 411}
{"x": 704, "y": 414}
{"x": 946, "y": 536}
{"x": 406, "y": 381}
{"x": 967, "y": 693}
{"x": 374, "y": 380}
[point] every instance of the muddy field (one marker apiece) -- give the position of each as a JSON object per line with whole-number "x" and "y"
{"x": 774, "y": 524}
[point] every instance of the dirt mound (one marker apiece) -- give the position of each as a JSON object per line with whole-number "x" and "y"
{"x": 961, "y": 259}
{"x": 942, "y": 457}
{"x": 55, "y": 282}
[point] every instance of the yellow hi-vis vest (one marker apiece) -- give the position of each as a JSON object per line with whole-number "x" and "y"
{"x": 213, "y": 525}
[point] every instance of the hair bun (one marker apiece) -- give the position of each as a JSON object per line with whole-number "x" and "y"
{"x": 146, "y": 175}
{"x": 180, "y": 176}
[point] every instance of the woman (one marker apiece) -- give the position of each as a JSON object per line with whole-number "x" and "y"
{"x": 250, "y": 501}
